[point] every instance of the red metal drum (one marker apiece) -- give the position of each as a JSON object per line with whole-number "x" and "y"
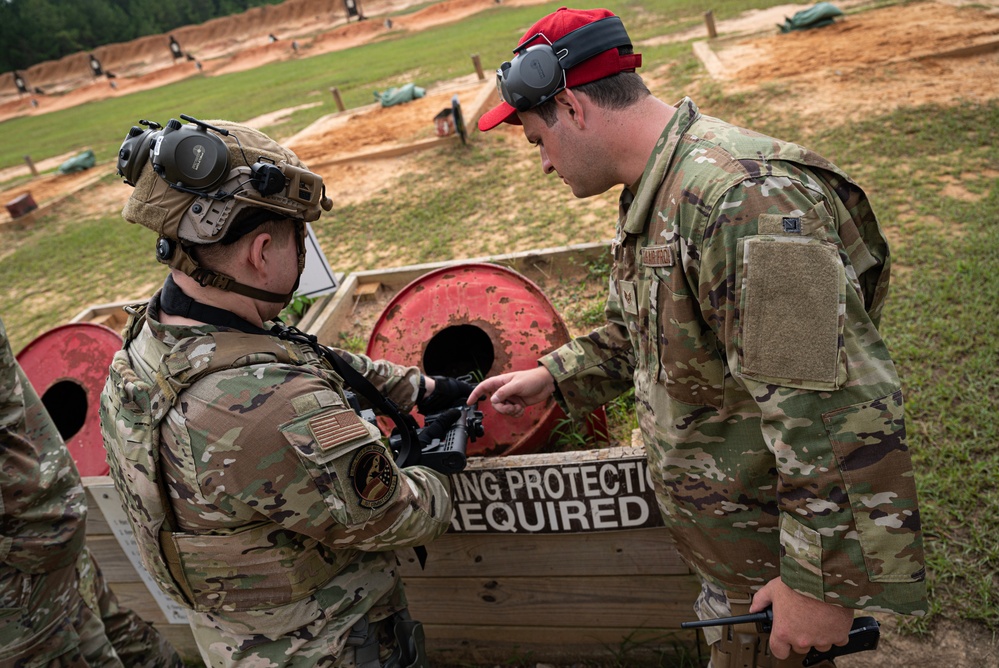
{"x": 67, "y": 366}
{"x": 483, "y": 319}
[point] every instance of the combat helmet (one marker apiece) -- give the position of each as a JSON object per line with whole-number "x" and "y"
{"x": 195, "y": 183}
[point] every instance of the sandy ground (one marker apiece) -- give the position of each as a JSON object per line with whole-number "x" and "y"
{"x": 867, "y": 63}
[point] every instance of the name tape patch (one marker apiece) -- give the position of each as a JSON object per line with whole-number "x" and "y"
{"x": 658, "y": 256}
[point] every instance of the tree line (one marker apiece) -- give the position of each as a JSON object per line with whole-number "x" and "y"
{"x": 34, "y": 31}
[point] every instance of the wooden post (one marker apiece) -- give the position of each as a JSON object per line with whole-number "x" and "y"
{"x": 478, "y": 67}
{"x": 337, "y": 99}
{"x": 709, "y": 21}
{"x": 31, "y": 165}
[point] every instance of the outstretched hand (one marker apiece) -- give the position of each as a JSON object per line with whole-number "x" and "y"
{"x": 510, "y": 392}
{"x": 801, "y": 623}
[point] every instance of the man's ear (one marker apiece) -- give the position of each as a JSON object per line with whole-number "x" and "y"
{"x": 573, "y": 105}
{"x": 259, "y": 249}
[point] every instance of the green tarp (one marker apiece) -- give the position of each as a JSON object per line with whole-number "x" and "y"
{"x": 816, "y": 16}
{"x": 78, "y": 163}
{"x": 406, "y": 93}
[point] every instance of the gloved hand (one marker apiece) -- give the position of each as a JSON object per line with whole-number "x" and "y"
{"x": 447, "y": 392}
{"x": 438, "y": 427}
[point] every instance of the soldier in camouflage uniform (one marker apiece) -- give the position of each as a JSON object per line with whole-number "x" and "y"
{"x": 260, "y": 500}
{"x": 748, "y": 282}
{"x": 55, "y": 607}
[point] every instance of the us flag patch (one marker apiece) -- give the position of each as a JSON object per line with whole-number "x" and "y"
{"x": 335, "y": 427}
{"x": 373, "y": 477}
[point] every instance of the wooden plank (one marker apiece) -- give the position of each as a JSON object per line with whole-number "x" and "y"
{"x": 182, "y": 639}
{"x": 637, "y": 552}
{"x": 134, "y": 595}
{"x": 462, "y": 643}
{"x": 618, "y": 602}
{"x": 113, "y": 561}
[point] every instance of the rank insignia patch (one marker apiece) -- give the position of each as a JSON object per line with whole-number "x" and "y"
{"x": 372, "y": 475}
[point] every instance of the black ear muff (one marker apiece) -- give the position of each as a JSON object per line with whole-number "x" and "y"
{"x": 537, "y": 72}
{"x": 190, "y": 156}
{"x": 134, "y": 152}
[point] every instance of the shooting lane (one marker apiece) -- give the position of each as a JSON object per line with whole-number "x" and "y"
{"x": 556, "y": 556}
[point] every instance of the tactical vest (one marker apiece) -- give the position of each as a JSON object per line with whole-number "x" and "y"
{"x": 204, "y": 571}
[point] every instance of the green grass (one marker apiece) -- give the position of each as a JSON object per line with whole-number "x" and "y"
{"x": 932, "y": 174}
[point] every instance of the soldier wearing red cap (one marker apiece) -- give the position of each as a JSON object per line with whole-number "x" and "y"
{"x": 748, "y": 283}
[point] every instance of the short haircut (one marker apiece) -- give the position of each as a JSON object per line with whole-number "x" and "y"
{"x": 248, "y": 224}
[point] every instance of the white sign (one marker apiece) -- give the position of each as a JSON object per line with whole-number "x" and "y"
{"x": 603, "y": 495}
{"x": 110, "y": 503}
{"x": 317, "y": 278}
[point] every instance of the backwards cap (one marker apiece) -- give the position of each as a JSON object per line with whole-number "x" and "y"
{"x": 553, "y": 27}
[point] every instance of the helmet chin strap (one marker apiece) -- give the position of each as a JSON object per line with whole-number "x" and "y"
{"x": 182, "y": 261}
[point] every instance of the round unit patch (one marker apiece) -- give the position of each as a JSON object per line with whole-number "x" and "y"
{"x": 373, "y": 477}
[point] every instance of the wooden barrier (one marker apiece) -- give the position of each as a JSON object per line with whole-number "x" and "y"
{"x": 567, "y": 591}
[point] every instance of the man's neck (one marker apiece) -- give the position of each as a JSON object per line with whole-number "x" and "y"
{"x": 241, "y": 306}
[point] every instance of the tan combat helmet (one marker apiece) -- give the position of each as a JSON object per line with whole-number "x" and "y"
{"x": 193, "y": 181}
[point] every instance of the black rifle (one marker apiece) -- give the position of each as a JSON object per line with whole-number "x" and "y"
{"x": 445, "y": 453}
{"x": 864, "y": 634}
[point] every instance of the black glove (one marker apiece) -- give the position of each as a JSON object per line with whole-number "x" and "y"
{"x": 447, "y": 392}
{"x": 438, "y": 427}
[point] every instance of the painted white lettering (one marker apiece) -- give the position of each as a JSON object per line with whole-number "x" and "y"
{"x": 552, "y": 477}
{"x": 551, "y": 516}
{"x": 571, "y": 472}
{"x": 514, "y": 482}
{"x": 589, "y": 475}
{"x": 470, "y": 484}
{"x": 574, "y": 509}
{"x": 539, "y": 517}
{"x": 471, "y": 518}
{"x": 532, "y": 479}
{"x": 637, "y": 503}
{"x": 490, "y": 486}
{"x": 601, "y": 508}
{"x": 608, "y": 472}
{"x": 626, "y": 467}
{"x": 500, "y": 517}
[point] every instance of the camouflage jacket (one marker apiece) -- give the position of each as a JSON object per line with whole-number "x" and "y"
{"x": 42, "y": 517}
{"x": 286, "y": 506}
{"x": 749, "y": 277}
{"x": 43, "y": 507}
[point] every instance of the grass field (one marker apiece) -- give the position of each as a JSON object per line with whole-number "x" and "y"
{"x": 932, "y": 173}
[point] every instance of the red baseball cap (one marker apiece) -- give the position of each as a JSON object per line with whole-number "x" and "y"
{"x": 554, "y": 27}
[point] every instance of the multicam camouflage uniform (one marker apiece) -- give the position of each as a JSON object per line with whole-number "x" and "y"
{"x": 55, "y": 607}
{"x": 748, "y": 285}
{"x": 286, "y": 506}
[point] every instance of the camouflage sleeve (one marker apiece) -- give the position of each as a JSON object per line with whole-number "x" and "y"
{"x": 281, "y": 441}
{"x": 776, "y": 285}
{"x": 591, "y": 370}
{"x": 399, "y": 383}
{"x": 42, "y": 504}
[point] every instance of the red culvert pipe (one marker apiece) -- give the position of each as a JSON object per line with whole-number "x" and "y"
{"x": 67, "y": 366}
{"x": 484, "y": 319}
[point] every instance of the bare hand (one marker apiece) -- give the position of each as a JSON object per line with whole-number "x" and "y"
{"x": 800, "y": 622}
{"x": 510, "y": 392}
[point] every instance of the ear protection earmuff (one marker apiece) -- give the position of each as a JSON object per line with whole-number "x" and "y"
{"x": 187, "y": 156}
{"x": 537, "y": 72}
